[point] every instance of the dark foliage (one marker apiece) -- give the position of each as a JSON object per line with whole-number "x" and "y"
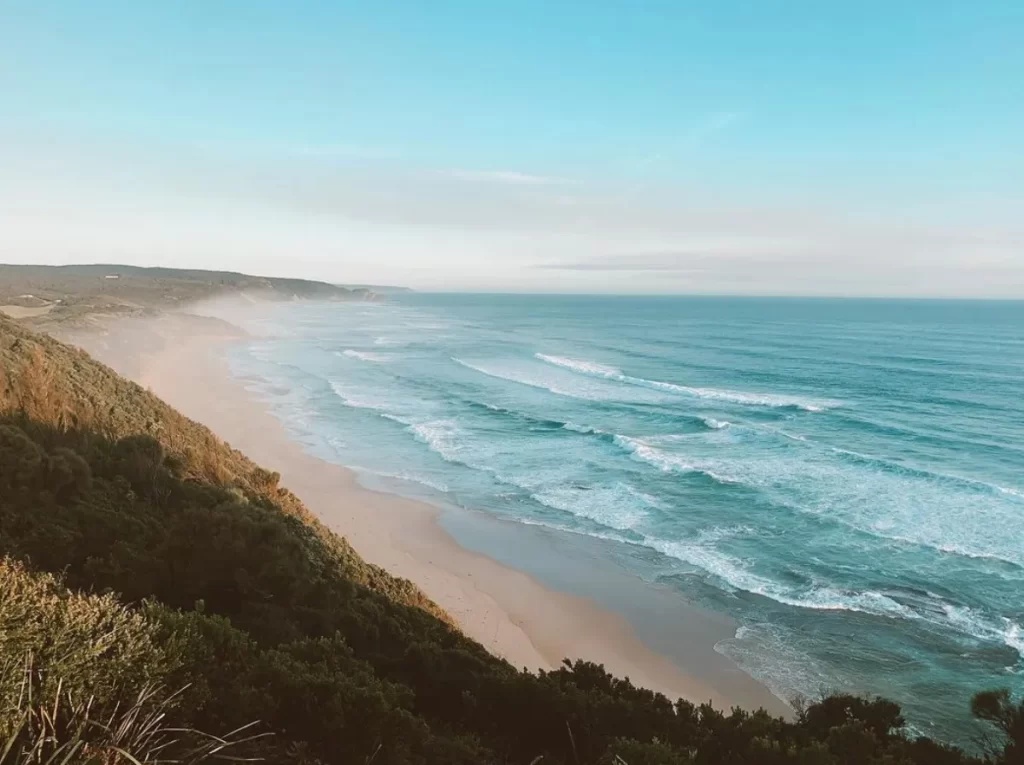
{"x": 999, "y": 709}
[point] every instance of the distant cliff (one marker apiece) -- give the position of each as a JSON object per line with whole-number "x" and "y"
{"x": 45, "y": 295}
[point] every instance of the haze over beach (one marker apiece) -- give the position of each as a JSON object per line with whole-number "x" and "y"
{"x": 512, "y": 383}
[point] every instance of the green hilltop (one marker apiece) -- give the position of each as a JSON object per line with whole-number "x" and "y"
{"x": 163, "y": 599}
{"x": 53, "y": 295}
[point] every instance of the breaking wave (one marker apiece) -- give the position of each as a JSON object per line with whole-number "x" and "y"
{"x": 594, "y": 369}
{"x": 376, "y": 358}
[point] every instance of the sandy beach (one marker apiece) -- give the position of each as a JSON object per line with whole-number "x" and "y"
{"x": 510, "y": 612}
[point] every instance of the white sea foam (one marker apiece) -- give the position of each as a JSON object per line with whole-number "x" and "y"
{"x": 609, "y": 536}
{"x": 586, "y": 429}
{"x": 648, "y": 499}
{"x": 357, "y": 400}
{"x": 644, "y": 452}
{"x": 771, "y": 400}
{"x": 714, "y": 424}
{"x": 619, "y": 506}
{"x": 772, "y": 655}
{"x": 523, "y": 377}
{"x": 586, "y": 367}
{"x": 669, "y": 463}
{"x": 441, "y": 436}
{"x": 396, "y": 418}
{"x": 376, "y": 358}
{"x": 1000, "y": 630}
{"x": 916, "y": 507}
{"x": 1013, "y": 636}
{"x": 603, "y": 371}
{"x": 737, "y": 575}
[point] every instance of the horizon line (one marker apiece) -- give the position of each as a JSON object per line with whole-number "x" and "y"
{"x": 544, "y": 293}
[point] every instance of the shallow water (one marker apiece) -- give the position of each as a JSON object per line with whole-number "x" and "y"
{"x": 843, "y": 478}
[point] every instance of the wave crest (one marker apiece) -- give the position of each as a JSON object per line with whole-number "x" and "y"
{"x": 737, "y": 575}
{"x": 576, "y": 365}
{"x": 620, "y": 506}
{"x": 534, "y": 382}
{"x": 603, "y": 371}
{"x": 440, "y": 436}
{"x": 375, "y": 358}
{"x": 356, "y": 401}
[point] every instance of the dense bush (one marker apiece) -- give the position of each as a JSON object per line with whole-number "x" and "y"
{"x": 90, "y": 646}
{"x": 265, "y": 615}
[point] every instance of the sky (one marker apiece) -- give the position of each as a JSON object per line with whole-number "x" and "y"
{"x": 758, "y": 147}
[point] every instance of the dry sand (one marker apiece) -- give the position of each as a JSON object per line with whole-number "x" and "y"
{"x": 508, "y": 611}
{"x": 25, "y": 312}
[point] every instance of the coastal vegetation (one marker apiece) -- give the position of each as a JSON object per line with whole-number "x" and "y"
{"x": 50, "y": 296}
{"x": 155, "y": 583}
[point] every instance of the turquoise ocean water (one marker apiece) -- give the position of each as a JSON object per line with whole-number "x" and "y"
{"x": 844, "y": 478}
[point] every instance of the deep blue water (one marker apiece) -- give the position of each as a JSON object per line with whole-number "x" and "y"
{"x": 844, "y": 478}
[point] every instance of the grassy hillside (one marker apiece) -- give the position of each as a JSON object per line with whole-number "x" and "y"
{"x": 59, "y": 294}
{"x": 184, "y": 566}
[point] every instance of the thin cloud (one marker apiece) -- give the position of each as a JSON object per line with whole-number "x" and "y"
{"x": 710, "y": 258}
{"x": 509, "y": 177}
{"x": 450, "y": 228}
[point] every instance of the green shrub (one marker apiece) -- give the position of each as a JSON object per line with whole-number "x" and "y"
{"x": 21, "y": 460}
{"x": 90, "y": 645}
{"x": 67, "y": 473}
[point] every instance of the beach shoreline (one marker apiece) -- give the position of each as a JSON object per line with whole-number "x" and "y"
{"x": 501, "y": 605}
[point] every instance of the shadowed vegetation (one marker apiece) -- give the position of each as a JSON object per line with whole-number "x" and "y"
{"x": 200, "y": 572}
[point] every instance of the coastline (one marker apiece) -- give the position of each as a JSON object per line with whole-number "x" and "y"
{"x": 508, "y": 610}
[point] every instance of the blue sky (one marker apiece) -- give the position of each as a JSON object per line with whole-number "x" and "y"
{"x": 811, "y": 147}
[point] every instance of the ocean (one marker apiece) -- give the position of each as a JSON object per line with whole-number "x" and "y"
{"x": 843, "y": 478}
